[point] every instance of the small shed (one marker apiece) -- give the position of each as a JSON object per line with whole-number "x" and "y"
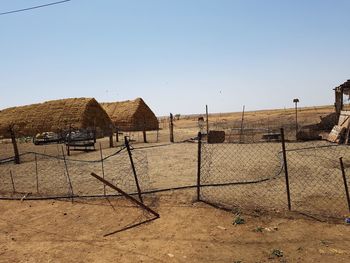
{"x": 131, "y": 115}
{"x": 56, "y": 116}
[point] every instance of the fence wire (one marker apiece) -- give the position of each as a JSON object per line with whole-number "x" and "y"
{"x": 252, "y": 177}
{"x": 315, "y": 178}
{"x": 46, "y": 176}
{"x": 243, "y": 176}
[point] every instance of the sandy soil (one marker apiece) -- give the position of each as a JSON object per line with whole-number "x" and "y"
{"x": 61, "y": 231}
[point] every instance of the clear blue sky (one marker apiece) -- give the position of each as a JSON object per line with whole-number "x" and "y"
{"x": 178, "y": 55}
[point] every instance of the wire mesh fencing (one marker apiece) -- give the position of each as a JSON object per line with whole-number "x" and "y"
{"x": 316, "y": 183}
{"x": 243, "y": 176}
{"x": 306, "y": 177}
{"x": 47, "y": 176}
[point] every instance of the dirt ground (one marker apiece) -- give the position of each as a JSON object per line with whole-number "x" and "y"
{"x": 187, "y": 231}
{"x": 61, "y": 231}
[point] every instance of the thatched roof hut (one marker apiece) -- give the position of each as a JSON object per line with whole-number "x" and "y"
{"x": 56, "y": 116}
{"x": 131, "y": 115}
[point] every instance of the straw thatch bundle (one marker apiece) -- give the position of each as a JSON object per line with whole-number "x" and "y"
{"x": 56, "y": 116}
{"x": 131, "y": 115}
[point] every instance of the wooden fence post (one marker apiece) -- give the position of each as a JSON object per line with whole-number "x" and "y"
{"x": 207, "y": 116}
{"x": 116, "y": 135}
{"x": 171, "y": 128}
{"x": 14, "y": 143}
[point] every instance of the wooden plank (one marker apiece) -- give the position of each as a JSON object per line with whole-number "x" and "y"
{"x": 336, "y": 134}
{"x": 132, "y": 199}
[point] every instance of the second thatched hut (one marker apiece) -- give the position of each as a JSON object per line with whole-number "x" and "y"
{"x": 131, "y": 115}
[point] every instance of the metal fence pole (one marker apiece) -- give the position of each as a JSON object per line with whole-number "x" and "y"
{"x": 199, "y": 159}
{"x": 12, "y": 182}
{"x": 103, "y": 170}
{"x": 345, "y": 182}
{"x": 69, "y": 181}
{"x": 133, "y": 168}
{"x": 285, "y": 164}
{"x": 36, "y": 173}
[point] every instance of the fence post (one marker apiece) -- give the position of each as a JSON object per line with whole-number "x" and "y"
{"x": 171, "y": 128}
{"x": 12, "y": 182}
{"x": 103, "y": 170}
{"x": 111, "y": 140}
{"x": 69, "y": 181}
{"x": 207, "y": 117}
{"x": 144, "y": 136}
{"x": 14, "y": 143}
{"x": 285, "y": 164}
{"x": 345, "y": 182}
{"x": 133, "y": 168}
{"x": 36, "y": 173}
{"x": 199, "y": 161}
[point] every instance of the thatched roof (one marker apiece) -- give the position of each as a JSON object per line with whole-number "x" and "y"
{"x": 131, "y": 115}
{"x": 56, "y": 116}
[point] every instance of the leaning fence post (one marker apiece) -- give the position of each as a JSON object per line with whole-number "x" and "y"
{"x": 199, "y": 159}
{"x": 285, "y": 165}
{"x": 345, "y": 182}
{"x": 69, "y": 181}
{"x": 103, "y": 170}
{"x": 133, "y": 168}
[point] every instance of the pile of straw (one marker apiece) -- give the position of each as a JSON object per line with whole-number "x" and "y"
{"x": 56, "y": 116}
{"x": 131, "y": 115}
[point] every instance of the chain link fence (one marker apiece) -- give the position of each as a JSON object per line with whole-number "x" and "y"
{"x": 257, "y": 177}
{"x": 47, "y": 176}
{"x": 315, "y": 178}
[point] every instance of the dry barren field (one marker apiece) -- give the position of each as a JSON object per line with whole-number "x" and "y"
{"x": 61, "y": 231}
{"x": 188, "y": 231}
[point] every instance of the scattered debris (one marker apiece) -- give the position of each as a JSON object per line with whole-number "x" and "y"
{"x": 259, "y": 229}
{"x": 268, "y": 229}
{"x": 326, "y": 243}
{"x": 340, "y": 132}
{"x": 277, "y": 253}
{"x": 25, "y": 196}
{"x": 238, "y": 220}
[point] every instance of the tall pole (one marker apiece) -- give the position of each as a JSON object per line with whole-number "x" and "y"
{"x": 242, "y": 125}
{"x": 285, "y": 166}
{"x": 171, "y": 128}
{"x": 207, "y": 115}
{"x": 14, "y": 143}
{"x": 296, "y": 117}
{"x": 199, "y": 165}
